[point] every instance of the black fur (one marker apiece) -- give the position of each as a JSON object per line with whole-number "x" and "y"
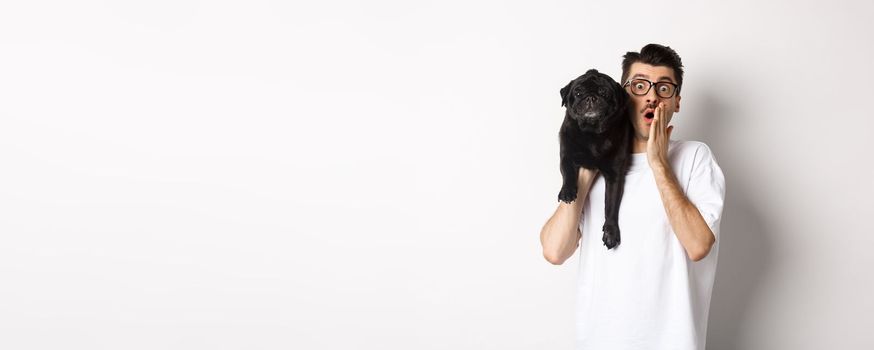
{"x": 596, "y": 134}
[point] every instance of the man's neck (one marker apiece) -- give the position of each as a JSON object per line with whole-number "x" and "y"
{"x": 639, "y": 146}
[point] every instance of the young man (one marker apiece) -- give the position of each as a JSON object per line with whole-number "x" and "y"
{"x": 653, "y": 290}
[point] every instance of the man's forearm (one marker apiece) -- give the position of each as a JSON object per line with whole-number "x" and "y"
{"x": 686, "y": 220}
{"x": 560, "y": 236}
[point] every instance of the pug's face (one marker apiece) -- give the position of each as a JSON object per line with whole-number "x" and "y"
{"x": 594, "y": 101}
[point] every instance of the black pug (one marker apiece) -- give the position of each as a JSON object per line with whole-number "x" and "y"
{"x": 596, "y": 134}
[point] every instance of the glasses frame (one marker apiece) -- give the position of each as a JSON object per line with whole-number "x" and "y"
{"x": 651, "y": 84}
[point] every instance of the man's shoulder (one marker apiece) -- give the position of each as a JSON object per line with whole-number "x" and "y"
{"x": 691, "y": 153}
{"x": 690, "y": 148}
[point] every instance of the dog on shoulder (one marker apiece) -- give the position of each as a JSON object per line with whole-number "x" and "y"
{"x": 596, "y": 134}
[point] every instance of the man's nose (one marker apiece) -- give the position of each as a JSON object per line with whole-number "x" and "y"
{"x": 652, "y": 97}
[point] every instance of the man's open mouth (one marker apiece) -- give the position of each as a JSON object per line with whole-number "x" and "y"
{"x": 649, "y": 114}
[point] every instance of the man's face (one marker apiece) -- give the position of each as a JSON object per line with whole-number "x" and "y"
{"x": 641, "y": 106}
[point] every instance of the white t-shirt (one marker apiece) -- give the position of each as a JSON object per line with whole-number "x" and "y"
{"x": 646, "y": 293}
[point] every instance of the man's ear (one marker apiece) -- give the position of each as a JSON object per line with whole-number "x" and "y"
{"x": 565, "y": 93}
{"x": 677, "y": 107}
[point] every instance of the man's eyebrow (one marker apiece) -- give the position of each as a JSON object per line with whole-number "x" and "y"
{"x": 641, "y": 75}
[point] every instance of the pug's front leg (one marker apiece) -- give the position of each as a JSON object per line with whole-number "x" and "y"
{"x": 569, "y": 174}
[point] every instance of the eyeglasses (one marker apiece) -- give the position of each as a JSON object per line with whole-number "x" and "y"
{"x": 640, "y": 87}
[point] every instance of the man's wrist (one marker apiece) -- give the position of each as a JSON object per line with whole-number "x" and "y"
{"x": 664, "y": 173}
{"x": 660, "y": 167}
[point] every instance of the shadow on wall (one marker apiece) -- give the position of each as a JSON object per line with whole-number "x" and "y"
{"x": 745, "y": 247}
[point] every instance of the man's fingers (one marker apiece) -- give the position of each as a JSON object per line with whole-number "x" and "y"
{"x": 661, "y": 115}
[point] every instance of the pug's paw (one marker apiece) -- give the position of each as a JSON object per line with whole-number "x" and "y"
{"x": 611, "y": 235}
{"x": 567, "y": 194}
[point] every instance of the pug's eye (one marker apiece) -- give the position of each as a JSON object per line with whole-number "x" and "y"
{"x": 577, "y": 93}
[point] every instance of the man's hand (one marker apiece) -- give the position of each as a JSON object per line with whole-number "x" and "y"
{"x": 659, "y": 137}
{"x": 586, "y": 176}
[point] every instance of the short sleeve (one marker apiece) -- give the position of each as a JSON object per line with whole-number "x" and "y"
{"x": 706, "y": 189}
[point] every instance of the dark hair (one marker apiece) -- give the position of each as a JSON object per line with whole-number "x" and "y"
{"x": 655, "y": 55}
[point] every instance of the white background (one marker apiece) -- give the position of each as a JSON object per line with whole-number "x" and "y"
{"x": 375, "y": 175}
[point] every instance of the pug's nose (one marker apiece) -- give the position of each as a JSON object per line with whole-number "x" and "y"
{"x": 590, "y": 99}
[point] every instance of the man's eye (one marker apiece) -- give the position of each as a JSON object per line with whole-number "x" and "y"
{"x": 639, "y": 86}
{"x": 664, "y": 88}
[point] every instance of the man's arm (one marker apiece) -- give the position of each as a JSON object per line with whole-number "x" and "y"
{"x": 686, "y": 220}
{"x": 560, "y": 236}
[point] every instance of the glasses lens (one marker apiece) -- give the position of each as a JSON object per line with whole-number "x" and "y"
{"x": 639, "y": 87}
{"x": 664, "y": 90}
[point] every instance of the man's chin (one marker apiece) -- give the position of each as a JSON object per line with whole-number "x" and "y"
{"x": 641, "y": 134}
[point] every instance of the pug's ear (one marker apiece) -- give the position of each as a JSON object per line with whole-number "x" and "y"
{"x": 565, "y": 93}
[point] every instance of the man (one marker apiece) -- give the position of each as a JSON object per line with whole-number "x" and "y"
{"x": 653, "y": 290}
